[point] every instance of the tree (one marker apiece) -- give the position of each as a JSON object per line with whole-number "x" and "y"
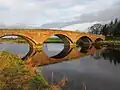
{"x": 104, "y": 30}
{"x": 111, "y": 29}
{"x": 116, "y": 32}
{"x": 96, "y": 28}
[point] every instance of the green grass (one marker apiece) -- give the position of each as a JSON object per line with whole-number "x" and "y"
{"x": 110, "y": 42}
{"x": 53, "y": 40}
{"x": 14, "y": 40}
{"x": 14, "y": 75}
{"x": 20, "y": 40}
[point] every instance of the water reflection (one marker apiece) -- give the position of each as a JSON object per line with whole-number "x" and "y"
{"x": 97, "y": 72}
{"x": 97, "y": 54}
{"x": 48, "y": 48}
{"x": 107, "y": 53}
{"x": 15, "y": 44}
{"x": 18, "y": 49}
{"x": 113, "y": 55}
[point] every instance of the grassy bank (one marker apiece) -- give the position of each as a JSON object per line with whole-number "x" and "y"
{"x": 53, "y": 40}
{"x": 14, "y": 40}
{"x": 15, "y": 76}
{"x": 20, "y": 40}
{"x": 112, "y": 38}
{"x": 110, "y": 42}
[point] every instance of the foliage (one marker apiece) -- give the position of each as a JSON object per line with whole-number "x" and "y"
{"x": 14, "y": 75}
{"x": 96, "y": 28}
{"x": 112, "y": 29}
{"x": 38, "y": 82}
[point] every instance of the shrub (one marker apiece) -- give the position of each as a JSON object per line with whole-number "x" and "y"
{"x": 14, "y": 75}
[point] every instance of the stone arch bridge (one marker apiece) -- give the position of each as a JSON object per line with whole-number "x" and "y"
{"x": 36, "y": 38}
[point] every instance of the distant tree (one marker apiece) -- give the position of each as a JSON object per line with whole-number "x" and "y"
{"x": 104, "y": 30}
{"x": 116, "y": 21}
{"x": 95, "y": 29}
{"x": 112, "y": 28}
{"x": 117, "y": 30}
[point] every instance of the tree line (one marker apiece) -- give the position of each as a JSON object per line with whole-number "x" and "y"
{"x": 111, "y": 29}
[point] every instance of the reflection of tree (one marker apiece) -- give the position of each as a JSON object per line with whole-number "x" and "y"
{"x": 84, "y": 44}
{"x": 112, "y": 55}
{"x": 97, "y": 55}
{"x": 84, "y": 50}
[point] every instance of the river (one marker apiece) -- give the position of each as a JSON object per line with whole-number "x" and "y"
{"x": 98, "y": 72}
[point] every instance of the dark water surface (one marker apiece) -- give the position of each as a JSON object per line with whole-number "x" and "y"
{"x": 101, "y": 71}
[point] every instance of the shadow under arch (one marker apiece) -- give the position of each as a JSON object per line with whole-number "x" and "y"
{"x": 84, "y": 43}
{"x": 29, "y": 41}
{"x": 66, "y": 50}
{"x": 98, "y": 39}
{"x": 97, "y": 45}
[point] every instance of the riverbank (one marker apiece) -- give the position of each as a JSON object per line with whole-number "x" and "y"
{"x": 53, "y": 40}
{"x": 13, "y": 40}
{"x": 15, "y": 76}
{"x": 109, "y": 43}
{"x": 20, "y": 40}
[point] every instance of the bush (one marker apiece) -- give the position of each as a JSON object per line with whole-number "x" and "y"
{"x": 14, "y": 75}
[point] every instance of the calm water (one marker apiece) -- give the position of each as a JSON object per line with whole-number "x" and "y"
{"x": 99, "y": 71}
{"x": 52, "y": 49}
{"x": 17, "y": 49}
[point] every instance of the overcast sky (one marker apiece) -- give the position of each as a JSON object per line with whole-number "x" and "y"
{"x": 71, "y": 14}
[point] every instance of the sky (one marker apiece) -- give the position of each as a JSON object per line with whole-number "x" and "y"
{"x": 61, "y": 14}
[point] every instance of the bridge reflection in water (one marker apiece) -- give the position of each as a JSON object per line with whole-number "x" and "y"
{"x": 107, "y": 53}
{"x": 41, "y": 58}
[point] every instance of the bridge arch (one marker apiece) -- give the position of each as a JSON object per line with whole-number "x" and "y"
{"x": 97, "y": 45}
{"x": 84, "y": 43}
{"x": 29, "y": 41}
{"x": 98, "y": 39}
{"x": 66, "y": 41}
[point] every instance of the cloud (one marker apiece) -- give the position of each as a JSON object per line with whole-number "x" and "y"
{"x": 99, "y": 16}
{"x": 56, "y": 13}
{"x": 36, "y": 11}
{"x": 83, "y": 27}
{"x": 103, "y": 15}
